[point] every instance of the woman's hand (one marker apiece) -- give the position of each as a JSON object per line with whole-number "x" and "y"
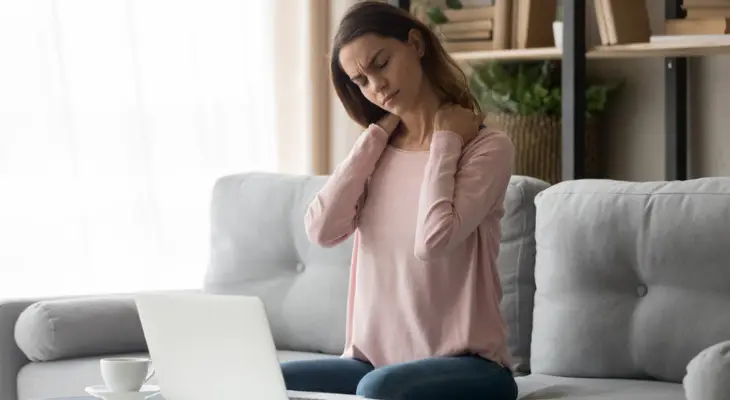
{"x": 389, "y": 122}
{"x": 457, "y": 119}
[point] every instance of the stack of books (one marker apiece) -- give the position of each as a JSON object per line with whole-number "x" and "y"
{"x": 467, "y": 29}
{"x": 704, "y": 17}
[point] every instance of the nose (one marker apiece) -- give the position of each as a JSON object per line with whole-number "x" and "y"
{"x": 379, "y": 83}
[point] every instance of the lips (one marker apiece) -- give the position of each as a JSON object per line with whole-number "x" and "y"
{"x": 389, "y": 97}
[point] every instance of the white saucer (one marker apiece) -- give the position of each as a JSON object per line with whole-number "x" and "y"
{"x": 100, "y": 391}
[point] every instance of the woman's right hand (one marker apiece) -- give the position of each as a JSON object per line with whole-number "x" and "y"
{"x": 389, "y": 122}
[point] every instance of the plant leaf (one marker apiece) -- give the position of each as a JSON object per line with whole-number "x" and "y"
{"x": 454, "y": 4}
{"x": 436, "y": 16}
{"x": 530, "y": 88}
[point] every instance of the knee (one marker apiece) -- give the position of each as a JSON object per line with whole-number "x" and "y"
{"x": 379, "y": 384}
{"x": 290, "y": 372}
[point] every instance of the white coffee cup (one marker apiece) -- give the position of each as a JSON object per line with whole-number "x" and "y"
{"x": 126, "y": 374}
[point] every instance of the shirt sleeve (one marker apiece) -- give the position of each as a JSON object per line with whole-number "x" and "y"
{"x": 331, "y": 216}
{"x": 459, "y": 190}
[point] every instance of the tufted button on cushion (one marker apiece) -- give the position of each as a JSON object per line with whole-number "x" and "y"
{"x": 708, "y": 374}
{"x": 632, "y": 277}
{"x": 259, "y": 248}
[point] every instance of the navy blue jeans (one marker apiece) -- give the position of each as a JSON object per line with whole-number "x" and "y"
{"x": 457, "y": 378}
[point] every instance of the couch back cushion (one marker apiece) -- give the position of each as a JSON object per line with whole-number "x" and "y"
{"x": 259, "y": 247}
{"x": 633, "y": 279}
{"x": 517, "y": 266}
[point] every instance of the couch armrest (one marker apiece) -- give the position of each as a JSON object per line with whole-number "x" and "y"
{"x": 11, "y": 357}
{"x": 708, "y": 374}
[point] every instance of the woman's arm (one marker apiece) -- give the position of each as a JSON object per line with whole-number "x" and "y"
{"x": 459, "y": 190}
{"x": 332, "y": 215}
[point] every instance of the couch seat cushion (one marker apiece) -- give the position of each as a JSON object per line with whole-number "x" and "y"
{"x": 544, "y": 387}
{"x": 67, "y": 378}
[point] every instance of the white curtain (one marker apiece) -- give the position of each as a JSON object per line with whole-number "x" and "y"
{"x": 116, "y": 117}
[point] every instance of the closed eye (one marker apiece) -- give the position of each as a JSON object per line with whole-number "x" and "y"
{"x": 359, "y": 79}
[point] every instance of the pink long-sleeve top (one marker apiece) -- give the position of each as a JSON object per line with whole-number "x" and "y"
{"x": 423, "y": 279}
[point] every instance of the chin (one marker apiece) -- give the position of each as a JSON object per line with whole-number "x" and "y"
{"x": 397, "y": 109}
{"x": 393, "y": 110}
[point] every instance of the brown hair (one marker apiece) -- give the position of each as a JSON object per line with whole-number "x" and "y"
{"x": 375, "y": 17}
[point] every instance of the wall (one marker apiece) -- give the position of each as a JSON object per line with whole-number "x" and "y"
{"x": 635, "y": 124}
{"x": 291, "y": 51}
{"x": 343, "y": 130}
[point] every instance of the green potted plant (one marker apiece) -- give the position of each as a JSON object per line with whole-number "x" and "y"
{"x": 525, "y": 100}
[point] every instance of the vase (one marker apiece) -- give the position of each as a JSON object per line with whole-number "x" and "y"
{"x": 558, "y": 34}
{"x": 538, "y": 144}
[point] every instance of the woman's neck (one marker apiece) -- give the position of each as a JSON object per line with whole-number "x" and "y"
{"x": 417, "y": 125}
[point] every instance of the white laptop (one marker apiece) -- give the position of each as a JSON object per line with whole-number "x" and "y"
{"x": 219, "y": 347}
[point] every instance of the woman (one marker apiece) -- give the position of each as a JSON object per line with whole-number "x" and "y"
{"x": 422, "y": 191}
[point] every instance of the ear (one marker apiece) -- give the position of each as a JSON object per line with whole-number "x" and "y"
{"x": 416, "y": 40}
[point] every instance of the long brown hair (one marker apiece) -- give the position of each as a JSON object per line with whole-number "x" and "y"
{"x": 375, "y": 17}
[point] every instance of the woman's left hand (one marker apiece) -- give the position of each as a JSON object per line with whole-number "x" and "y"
{"x": 457, "y": 119}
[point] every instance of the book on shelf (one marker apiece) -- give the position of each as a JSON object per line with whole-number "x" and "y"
{"x": 707, "y": 12}
{"x": 622, "y": 21}
{"x": 601, "y": 22}
{"x": 468, "y": 45}
{"x": 533, "y": 23}
{"x": 469, "y": 14}
{"x": 460, "y": 27}
{"x": 705, "y": 3}
{"x": 504, "y": 24}
{"x": 702, "y": 12}
{"x": 467, "y": 29}
{"x": 479, "y": 34}
{"x": 692, "y": 39}
{"x": 706, "y": 26}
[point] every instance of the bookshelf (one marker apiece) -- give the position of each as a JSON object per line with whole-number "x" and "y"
{"x": 638, "y": 50}
{"x": 574, "y": 55}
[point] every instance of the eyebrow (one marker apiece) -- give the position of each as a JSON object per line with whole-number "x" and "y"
{"x": 370, "y": 63}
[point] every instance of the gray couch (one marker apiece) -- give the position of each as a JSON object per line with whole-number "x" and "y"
{"x": 610, "y": 289}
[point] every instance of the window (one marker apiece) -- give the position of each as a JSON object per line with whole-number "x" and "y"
{"x": 116, "y": 118}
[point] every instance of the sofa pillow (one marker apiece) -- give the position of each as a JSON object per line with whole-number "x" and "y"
{"x": 708, "y": 374}
{"x": 77, "y": 327}
{"x": 517, "y": 266}
{"x": 632, "y": 277}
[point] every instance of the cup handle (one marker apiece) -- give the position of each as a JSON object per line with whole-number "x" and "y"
{"x": 151, "y": 374}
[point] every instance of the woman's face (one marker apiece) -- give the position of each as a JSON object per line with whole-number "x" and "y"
{"x": 387, "y": 71}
